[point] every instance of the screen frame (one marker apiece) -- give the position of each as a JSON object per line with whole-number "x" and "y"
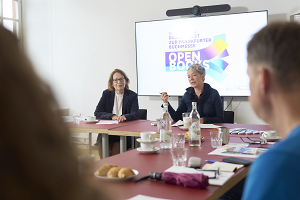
{"x": 266, "y": 11}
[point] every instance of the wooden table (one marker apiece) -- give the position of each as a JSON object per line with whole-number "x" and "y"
{"x": 103, "y": 129}
{"x": 159, "y": 162}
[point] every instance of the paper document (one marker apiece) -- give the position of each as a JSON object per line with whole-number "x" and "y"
{"x": 143, "y": 197}
{"x": 180, "y": 123}
{"x": 221, "y": 151}
{"x": 209, "y": 126}
{"x": 67, "y": 118}
{"x": 108, "y": 122}
{"x": 223, "y": 177}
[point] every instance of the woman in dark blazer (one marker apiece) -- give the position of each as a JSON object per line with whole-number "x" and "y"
{"x": 209, "y": 104}
{"x": 117, "y": 103}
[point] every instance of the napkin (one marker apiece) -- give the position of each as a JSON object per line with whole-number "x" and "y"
{"x": 178, "y": 123}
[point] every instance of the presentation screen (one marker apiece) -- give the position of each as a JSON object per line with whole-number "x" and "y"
{"x": 165, "y": 49}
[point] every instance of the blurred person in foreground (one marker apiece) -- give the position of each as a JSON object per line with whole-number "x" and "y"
{"x": 208, "y": 100}
{"x": 37, "y": 161}
{"x": 274, "y": 71}
{"x": 117, "y": 103}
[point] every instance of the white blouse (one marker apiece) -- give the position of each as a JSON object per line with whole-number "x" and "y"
{"x": 117, "y": 110}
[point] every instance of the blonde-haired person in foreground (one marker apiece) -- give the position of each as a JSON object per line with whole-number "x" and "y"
{"x": 36, "y": 159}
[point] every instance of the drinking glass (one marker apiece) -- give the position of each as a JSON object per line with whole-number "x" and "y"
{"x": 216, "y": 138}
{"x": 76, "y": 117}
{"x": 185, "y": 119}
{"x": 179, "y": 156}
{"x": 178, "y": 140}
{"x": 158, "y": 125}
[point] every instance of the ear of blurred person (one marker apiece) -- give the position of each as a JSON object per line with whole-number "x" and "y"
{"x": 36, "y": 158}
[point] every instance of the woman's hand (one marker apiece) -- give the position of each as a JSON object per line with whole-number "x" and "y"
{"x": 119, "y": 118}
{"x": 164, "y": 96}
{"x": 201, "y": 120}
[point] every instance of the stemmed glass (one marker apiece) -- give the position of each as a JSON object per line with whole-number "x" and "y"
{"x": 76, "y": 117}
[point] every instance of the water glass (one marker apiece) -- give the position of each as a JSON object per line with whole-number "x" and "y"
{"x": 158, "y": 125}
{"x": 216, "y": 138}
{"x": 178, "y": 140}
{"x": 185, "y": 119}
{"x": 76, "y": 118}
{"x": 179, "y": 156}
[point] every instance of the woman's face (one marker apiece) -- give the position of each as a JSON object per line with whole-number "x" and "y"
{"x": 195, "y": 79}
{"x": 119, "y": 83}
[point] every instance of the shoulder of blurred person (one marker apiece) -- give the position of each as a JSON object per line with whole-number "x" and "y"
{"x": 273, "y": 68}
{"x": 37, "y": 161}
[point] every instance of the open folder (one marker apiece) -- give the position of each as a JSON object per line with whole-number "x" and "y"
{"x": 225, "y": 167}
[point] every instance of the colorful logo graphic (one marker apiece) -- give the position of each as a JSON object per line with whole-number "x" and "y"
{"x": 210, "y": 57}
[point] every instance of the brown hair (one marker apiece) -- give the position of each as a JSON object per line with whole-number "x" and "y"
{"x": 37, "y": 161}
{"x": 110, "y": 80}
{"x": 277, "y": 46}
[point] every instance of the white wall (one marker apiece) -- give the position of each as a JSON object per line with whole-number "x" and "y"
{"x": 75, "y": 44}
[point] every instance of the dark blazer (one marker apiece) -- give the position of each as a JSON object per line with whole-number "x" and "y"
{"x": 212, "y": 106}
{"x": 130, "y": 107}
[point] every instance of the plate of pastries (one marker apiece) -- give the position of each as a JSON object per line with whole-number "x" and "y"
{"x": 187, "y": 136}
{"x": 113, "y": 173}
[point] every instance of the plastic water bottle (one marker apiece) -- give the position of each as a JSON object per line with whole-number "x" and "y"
{"x": 194, "y": 127}
{"x": 165, "y": 129}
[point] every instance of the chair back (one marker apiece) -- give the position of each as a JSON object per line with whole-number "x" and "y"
{"x": 228, "y": 117}
{"x": 143, "y": 114}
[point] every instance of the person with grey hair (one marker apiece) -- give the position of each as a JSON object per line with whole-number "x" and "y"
{"x": 208, "y": 100}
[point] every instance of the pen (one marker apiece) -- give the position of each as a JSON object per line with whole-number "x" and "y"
{"x": 212, "y": 161}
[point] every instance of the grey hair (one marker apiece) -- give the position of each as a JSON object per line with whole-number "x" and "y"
{"x": 197, "y": 68}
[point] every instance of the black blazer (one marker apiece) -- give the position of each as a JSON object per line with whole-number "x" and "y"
{"x": 130, "y": 107}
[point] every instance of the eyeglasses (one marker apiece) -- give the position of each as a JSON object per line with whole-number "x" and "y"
{"x": 261, "y": 141}
{"x": 118, "y": 79}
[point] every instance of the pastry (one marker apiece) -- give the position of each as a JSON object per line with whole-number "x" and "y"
{"x": 102, "y": 171}
{"x": 125, "y": 172}
{"x": 187, "y": 136}
{"x": 113, "y": 172}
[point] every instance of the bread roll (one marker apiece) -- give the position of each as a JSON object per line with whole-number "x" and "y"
{"x": 113, "y": 172}
{"x": 102, "y": 171}
{"x": 125, "y": 172}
